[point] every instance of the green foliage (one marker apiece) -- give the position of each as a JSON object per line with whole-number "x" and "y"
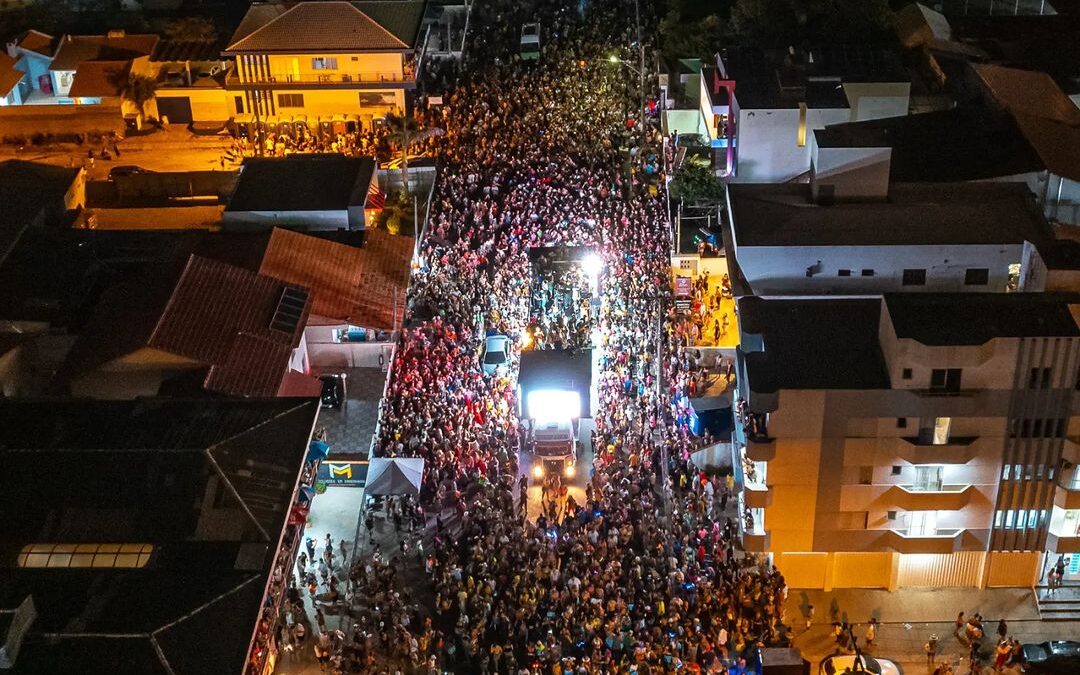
{"x": 773, "y": 23}
{"x": 140, "y": 90}
{"x": 695, "y": 182}
{"x": 191, "y": 28}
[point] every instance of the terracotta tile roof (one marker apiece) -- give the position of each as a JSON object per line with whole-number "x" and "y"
{"x": 348, "y": 284}
{"x": 209, "y": 312}
{"x": 38, "y": 42}
{"x": 331, "y": 25}
{"x": 74, "y": 49}
{"x": 100, "y": 78}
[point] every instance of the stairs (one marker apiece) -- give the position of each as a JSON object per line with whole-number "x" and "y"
{"x": 1063, "y": 605}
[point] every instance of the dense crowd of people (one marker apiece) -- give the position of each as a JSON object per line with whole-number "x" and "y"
{"x": 643, "y": 574}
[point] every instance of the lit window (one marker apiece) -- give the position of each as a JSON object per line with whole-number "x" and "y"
{"x": 802, "y": 125}
{"x": 997, "y": 518}
{"x": 324, "y": 63}
{"x": 85, "y": 555}
{"x": 941, "y": 430}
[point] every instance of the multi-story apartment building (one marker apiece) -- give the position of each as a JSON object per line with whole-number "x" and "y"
{"x": 324, "y": 59}
{"x": 911, "y": 439}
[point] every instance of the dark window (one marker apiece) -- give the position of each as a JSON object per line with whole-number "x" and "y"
{"x": 901, "y": 423}
{"x": 844, "y": 273}
{"x": 866, "y": 475}
{"x": 945, "y": 379}
{"x": 868, "y": 273}
{"x": 906, "y": 373}
{"x": 891, "y": 515}
{"x": 290, "y": 100}
{"x": 914, "y": 278}
{"x": 239, "y": 101}
{"x": 979, "y": 276}
{"x": 1040, "y": 378}
{"x": 897, "y": 470}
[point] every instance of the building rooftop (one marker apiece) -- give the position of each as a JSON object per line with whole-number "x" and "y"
{"x": 361, "y": 286}
{"x": 240, "y": 325}
{"x": 316, "y": 183}
{"x": 38, "y": 42}
{"x": 26, "y": 188}
{"x": 776, "y": 78}
{"x": 100, "y": 78}
{"x": 912, "y": 215}
{"x": 187, "y": 50}
{"x": 9, "y": 74}
{"x": 970, "y": 142}
{"x": 944, "y": 319}
{"x": 813, "y": 344}
{"x": 169, "y": 480}
{"x": 1049, "y": 120}
{"x": 328, "y": 26}
{"x": 74, "y": 49}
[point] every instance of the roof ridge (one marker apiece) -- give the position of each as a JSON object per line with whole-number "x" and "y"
{"x": 220, "y": 596}
{"x": 169, "y": 303}
{"x": 368, "y": 17}
{"x": 262, "y": 27}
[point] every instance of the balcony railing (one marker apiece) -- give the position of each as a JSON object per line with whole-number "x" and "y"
{"x": 941, "y": 541}
{"x": 758, "y": 496}
{"x": 1067, "y": 495}
{"x": 905, "y": 497}
{"x": 328, "y": 78}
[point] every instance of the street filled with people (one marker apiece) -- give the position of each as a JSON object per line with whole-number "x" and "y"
{"x": 644, "y": 573}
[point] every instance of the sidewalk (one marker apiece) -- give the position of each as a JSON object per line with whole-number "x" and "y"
{"x": 909, "y": 616}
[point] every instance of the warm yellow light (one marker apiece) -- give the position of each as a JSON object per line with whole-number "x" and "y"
{"x": 613, "y": 59}
{"x": 538, "y": 471}
{"x": 569, "y": 471}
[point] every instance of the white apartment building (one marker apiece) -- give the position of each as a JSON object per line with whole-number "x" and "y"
{"x": 911, "y": 439}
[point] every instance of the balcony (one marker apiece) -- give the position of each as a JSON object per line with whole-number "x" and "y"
{"x": 760, "y": 448}
{"x": 1067, "y": 495}
{"x": 942, "y": 541}
{"x": 959, "y": 450}
{"x": 1071, "y": 452}
{"x": 1062, "y": 543}
{"x": 757, "y": 496}
{"x": 755, "y": 537}
{"x": 330, "y": 79}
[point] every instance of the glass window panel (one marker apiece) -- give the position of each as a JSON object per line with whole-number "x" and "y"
{"x": 104, "y": 560}
{"x": 37, "y": 559}
{"x": 82, "y": 560}
{"x": 60, "y": 560}
{"x": 127, "y": 560}
{"x": 108, "y": 548}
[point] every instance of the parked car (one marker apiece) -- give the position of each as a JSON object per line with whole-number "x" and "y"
{"x": 125, "y": 170}
{"x": 496, "y": 359}
{"x": 843, "y": 663}
{"x": 530, "y": 41}
{"x": 1059, "y": 657}
{"x": 333, "y": 390}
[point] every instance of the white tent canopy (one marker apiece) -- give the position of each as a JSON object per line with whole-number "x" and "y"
{"x": 394, "y": 476}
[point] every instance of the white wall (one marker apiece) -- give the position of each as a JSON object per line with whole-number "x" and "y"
{"x": 767, "y": 144}
{"x": 850, "y": 173}
{"x": 315, "y": 220}
{"x": 876, "y": 100}
{"x": 781, "y": 270}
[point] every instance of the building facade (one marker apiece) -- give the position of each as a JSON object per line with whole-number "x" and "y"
{"x": 911, "y": 440}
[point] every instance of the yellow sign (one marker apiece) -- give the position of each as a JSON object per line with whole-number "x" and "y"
{"x": 344, "y": 470}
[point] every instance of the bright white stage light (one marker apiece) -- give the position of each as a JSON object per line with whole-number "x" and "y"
{"x": 554, "y": 405}
{"x": 593, "y": 265}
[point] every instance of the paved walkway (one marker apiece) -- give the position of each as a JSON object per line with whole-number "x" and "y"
{"x": 909, "y": 616}
{"x": 349, "y": 429}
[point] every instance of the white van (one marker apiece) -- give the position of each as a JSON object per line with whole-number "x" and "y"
{"x": 530, "y": 41}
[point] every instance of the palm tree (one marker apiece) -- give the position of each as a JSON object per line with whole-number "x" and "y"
{"x": 139, "y": 90}
{"x": 402, "y": 128}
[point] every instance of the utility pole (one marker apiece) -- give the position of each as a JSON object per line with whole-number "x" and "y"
{"x": 641, "y": 73}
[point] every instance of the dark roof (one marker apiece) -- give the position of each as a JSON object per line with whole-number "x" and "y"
{"x": 175, "y": 474}
{"x": 913, "y": 215}
{"x": 773, "y": 78}
{"x": 74, "y": 49}
{"x": 403, "y": 18}
{"x": 302, "y": 183}
{"x": 26, "y": 188}
{"x": 1046, "y": 116}
{"x": 940, "y": 319}
{"x": 971, "y": 142}
{"x": 813, "y": 344}
{"x": 38, "y": 42}
{"x": 361, "y": 286}
{"x": 9, "y": 74}
{"x": 100, "y": 78}
{"x": 325, "y": 26}
{"x": 187, "y": 50}
{"x": 212, "y": 313}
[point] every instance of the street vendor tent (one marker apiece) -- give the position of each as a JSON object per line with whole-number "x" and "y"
{"x": 396, "y": 476}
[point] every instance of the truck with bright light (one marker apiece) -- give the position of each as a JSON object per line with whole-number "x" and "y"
{"x": 553, "y": 421}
